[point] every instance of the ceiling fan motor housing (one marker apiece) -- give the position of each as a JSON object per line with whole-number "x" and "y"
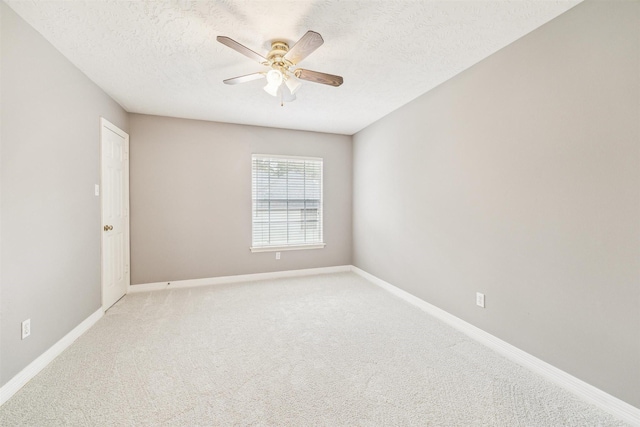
{"x": 276, "y": 55}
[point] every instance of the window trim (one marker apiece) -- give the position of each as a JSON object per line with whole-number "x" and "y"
{"x": 287, "y": 248}
{"x": 296, "y": 246}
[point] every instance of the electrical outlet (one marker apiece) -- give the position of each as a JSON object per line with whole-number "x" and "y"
{"x": 479, "y": 299}
{"x": 26, "y": 328}
{"x": 277, "y": 255}
{"x": 96, "y": 190}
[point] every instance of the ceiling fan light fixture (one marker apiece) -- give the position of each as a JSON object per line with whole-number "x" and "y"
{"x": 274, "y": 78}
{"x": 274, "y": 81}
{"x": 293, "y": 84}
{"x": 271, "y": 89}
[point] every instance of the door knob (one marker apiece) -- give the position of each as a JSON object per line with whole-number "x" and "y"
{"x": 108, "y": 227}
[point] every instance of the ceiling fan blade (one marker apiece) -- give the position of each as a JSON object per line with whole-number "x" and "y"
{"x": 241, "y": 49}
{"x": 317, "y": 77}
{"x": 304, "y": 47}
{"x": 243, "y": 79}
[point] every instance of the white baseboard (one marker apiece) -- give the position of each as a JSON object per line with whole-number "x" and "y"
{"x": 33, "y": 368}
{"x": 235, "y": 279}
{"x": 591, "y": 394}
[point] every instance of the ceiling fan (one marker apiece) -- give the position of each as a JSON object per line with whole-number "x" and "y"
{"x": 283, "y": 78}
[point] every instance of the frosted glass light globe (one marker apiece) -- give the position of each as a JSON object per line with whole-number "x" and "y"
{"x": 274, "y": 78}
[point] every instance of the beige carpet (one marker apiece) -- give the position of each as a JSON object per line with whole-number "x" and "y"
{"x": 329, "y": 350}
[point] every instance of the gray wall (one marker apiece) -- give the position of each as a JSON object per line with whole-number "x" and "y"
{"x": 519, "y": 178}
{"x": 191, "y": 198}
{"x": 50, "y": 217}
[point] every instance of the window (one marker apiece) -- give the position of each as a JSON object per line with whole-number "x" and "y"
{"x": 287, "y": 203}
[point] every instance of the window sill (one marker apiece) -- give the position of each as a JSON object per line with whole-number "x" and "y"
{"x": 287, "y": 248}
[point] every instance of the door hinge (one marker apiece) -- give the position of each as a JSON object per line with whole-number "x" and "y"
{"x": 126, "y": 155}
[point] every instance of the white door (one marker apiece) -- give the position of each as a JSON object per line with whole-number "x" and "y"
{"x": 115, "y": 213}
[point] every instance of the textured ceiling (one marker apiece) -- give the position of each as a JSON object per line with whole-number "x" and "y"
{"x": 162, "y": 57}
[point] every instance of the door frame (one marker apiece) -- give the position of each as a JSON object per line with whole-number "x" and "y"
{"x": 107, "y": 125}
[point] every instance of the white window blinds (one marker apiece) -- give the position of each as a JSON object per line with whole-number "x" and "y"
{"x": 287, "y": 201}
